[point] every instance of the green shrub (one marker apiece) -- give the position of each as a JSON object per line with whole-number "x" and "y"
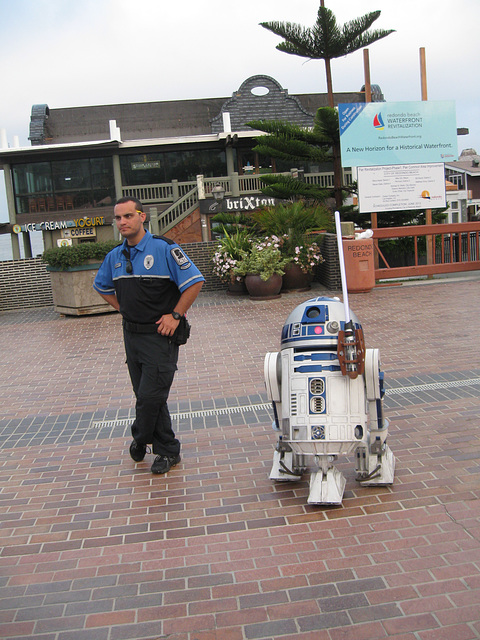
{"x": 78, "y": 254}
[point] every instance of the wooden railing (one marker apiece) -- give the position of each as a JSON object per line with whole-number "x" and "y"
{"x": 443, "y": 248}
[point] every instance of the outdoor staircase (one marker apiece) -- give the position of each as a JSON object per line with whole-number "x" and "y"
{"x": 178, "y": 211}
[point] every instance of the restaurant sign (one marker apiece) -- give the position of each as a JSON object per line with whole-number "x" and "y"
{"x": 232, "y": 205}
{"x": 153, "y": 164}
{"x": 54, "y": 225}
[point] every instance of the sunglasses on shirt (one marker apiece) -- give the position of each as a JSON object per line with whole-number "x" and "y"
{"x": 129, "y": 266}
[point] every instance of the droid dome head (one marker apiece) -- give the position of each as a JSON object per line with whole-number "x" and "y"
{"x": 315, "y": 324}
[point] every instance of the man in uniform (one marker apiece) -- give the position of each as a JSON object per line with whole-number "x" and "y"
{"x": 152, "y": 283}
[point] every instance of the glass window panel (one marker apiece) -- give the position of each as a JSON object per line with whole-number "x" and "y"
{"x": 71, "y": 175}
{"x": 63, "y": 185}
{"x": 32, "y": 178}
{"x": 160, "y": 168}
{"x": 142, "y": 169}
{"x": 103, "y": 186}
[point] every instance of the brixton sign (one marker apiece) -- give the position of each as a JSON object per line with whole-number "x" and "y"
{"x": 243, "y": 203}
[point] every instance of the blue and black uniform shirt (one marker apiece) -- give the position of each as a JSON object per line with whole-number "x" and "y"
{"x": 148, "y": 279}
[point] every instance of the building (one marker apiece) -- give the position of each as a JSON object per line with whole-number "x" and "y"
{"x": 464, "y": 196}
{"x": 82, "y": 159}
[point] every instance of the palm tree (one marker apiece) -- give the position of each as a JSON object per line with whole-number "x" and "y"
{"x": 324, "y": 41}
{"x": 294, "y": 143}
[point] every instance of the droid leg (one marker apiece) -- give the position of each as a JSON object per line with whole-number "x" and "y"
{"x": 285, "y": 464}
{"x": 327, "y": 484}
{"x": 375, "y": 465}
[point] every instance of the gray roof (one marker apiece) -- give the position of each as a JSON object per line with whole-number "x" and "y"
{"x": 177, "y": 118}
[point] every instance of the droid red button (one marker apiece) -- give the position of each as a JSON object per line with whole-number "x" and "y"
{"x": 318, "y": 330}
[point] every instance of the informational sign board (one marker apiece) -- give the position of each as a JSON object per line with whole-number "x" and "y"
{"x": 401, "y": 187}
{"x": 388, "y": 133}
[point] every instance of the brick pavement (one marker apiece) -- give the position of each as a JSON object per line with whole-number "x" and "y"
{"x": 94, "y": 547}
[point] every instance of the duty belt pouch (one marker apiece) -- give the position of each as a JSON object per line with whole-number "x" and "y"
{"x": 182, "y": 332}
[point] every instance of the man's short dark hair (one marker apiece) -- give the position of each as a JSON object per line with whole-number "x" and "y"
{"x": 138, "y": 204}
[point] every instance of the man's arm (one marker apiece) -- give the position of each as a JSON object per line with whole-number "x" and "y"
{"x": 111, "y": 299}
{"x": 167, "y": 323}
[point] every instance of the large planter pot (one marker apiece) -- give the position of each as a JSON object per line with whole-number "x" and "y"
{"x": 259, "y": 289}
{"x": 294, "y": 279}
{"x": 73, "y": 293}
{"x": 237, "y": 287}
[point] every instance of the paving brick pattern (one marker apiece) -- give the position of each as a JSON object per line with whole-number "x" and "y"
{"x": 94, "y": 547}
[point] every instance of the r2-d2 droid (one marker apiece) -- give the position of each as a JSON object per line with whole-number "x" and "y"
{"x": 327, "y": 390}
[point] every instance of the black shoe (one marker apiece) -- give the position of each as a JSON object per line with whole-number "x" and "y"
{"x": 137, "y": 451}
{"x": 162, "y": 464}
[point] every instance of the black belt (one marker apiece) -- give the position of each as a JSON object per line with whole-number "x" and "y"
{"x": 140, "y": 328}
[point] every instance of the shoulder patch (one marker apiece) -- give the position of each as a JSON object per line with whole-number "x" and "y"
{"x": 180, "y": 258}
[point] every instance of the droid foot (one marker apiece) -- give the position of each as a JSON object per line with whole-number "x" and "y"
{"x": 326, "y": 488}
{"x": 381, "y": 469}
{"x": 283, "y": 469}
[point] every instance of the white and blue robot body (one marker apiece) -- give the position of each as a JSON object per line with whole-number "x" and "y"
{"x": 326, "y": 390}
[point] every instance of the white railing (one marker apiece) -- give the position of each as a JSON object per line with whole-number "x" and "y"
{"x": 179, "y": 210}
{"x": 183, "y": 196}
{"x": 172, "y": 191}
{"x": 148, "y": 193}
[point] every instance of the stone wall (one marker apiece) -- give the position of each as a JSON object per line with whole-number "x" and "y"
{"x": 25, "y": 284}
{"x": 328, "y": 273}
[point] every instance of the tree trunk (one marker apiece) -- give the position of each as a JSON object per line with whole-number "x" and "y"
{"x": 337, "y": 164}
{"x": 328, "y": 72}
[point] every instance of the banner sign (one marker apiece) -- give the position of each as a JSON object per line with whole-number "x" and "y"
{"x": 401, "y": 187}
{"x": 53, "y": 225}
{"x": 386, "y": 133}
{"x": 234, "y": 204}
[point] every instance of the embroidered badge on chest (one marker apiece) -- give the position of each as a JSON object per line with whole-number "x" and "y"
{"x": 180, "y": 258}
{"x": 148, "y": 262}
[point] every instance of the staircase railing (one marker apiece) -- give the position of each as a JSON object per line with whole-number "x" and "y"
{"x": 179, "y": 210}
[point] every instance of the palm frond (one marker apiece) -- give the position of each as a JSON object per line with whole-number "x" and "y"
{"x": 298, "y": 40}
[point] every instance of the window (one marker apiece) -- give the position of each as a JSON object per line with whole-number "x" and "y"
{"x": 163, "y": 167}
{"x": 62, "y": 185}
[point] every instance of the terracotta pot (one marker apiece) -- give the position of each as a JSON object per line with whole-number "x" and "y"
{"x": 237, "y": 287}
{"x": 263, "y": 289}
{"x": 294, "y": 279}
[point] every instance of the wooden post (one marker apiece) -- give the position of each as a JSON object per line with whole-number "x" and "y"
{"x": 368, "y": 98}
{"x": 428, "y": 212}
{"x": 366, "y": 69}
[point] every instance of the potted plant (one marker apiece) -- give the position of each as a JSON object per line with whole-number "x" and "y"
{"x": 294, "y": 223}
{"x": 303, "y": 258}
{"x": 229, "y": 251}
{"x": 72, "y": 271}
{"x": 263, "y": 268}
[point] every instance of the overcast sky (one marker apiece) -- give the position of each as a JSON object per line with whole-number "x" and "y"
{"x": 67, "y": 53}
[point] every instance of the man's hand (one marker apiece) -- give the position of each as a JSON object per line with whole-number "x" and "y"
{"x": 167, "y": 325}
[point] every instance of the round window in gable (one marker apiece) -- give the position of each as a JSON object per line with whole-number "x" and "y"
{"x": 260, "y": 91}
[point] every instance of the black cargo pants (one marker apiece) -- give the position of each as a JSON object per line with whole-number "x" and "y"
{"x": 152, "y": 362}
